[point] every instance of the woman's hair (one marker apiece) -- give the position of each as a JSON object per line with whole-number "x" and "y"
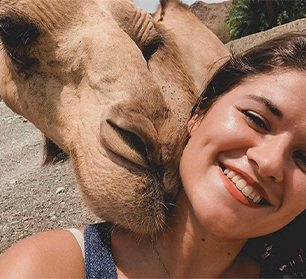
{"x": 283, "y": 251}
{"x": 287, "y": 52}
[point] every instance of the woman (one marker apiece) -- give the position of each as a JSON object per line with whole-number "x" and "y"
{"x": 243, "y": 172}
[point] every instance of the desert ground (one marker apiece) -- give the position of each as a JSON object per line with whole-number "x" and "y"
{"x": 33, "y": 198}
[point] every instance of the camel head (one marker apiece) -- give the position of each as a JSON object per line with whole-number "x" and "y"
{"x": 69, "y": 68}
{"x": 112, "y": 88}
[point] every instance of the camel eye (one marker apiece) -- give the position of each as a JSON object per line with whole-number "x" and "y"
{"x": 17, "y": 35}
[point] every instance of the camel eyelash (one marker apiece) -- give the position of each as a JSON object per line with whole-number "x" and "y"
{"x": 17, "y": 36}
{"x": 13, "y": 57}
{"x": 17, "y": 32}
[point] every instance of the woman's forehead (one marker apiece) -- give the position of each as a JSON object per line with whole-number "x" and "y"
{"x": 282, "y": 94}
{"x": 281, "y": 89}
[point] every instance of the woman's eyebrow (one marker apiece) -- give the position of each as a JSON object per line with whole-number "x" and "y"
{"x": 269, "y": 105}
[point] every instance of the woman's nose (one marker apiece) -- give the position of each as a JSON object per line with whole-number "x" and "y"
{"x": 269, "y": 158}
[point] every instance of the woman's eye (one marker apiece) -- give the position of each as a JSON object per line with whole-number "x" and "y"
{"x": 300, "y": 160}
{"x": 254, "y": 119}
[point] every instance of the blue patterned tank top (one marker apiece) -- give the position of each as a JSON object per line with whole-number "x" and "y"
{"x": 99, "y": 261}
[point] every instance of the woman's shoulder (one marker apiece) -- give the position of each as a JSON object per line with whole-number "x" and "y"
{"x": 52, "y": 254}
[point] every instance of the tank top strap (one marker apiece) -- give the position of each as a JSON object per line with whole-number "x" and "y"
{"x": 99, "y": 261}
{"x": 79, "y": 238}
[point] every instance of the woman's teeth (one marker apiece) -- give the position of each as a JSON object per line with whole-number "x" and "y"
{"x": 243, "y": 186}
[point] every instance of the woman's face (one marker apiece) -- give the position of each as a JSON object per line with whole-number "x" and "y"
{"x": 258, "y": 132}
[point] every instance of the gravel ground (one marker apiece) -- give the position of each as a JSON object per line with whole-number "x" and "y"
{"x": 33, "y": 198}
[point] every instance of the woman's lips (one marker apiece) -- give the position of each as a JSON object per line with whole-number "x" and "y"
{"x": 231, "y": 187}
{"x": 250, "y": 181}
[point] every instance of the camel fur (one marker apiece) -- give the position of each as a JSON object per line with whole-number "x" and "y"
{"x": 110, "y": 87}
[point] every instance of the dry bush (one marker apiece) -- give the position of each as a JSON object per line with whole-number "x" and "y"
{"x": 222, "y": 32}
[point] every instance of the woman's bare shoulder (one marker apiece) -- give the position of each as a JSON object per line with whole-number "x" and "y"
{"x": 51, "y": 254}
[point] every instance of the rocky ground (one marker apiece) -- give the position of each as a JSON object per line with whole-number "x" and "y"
{"x": 33, "y": 198}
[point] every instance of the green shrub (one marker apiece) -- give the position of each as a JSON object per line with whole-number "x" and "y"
{"x": 251, "y": 16}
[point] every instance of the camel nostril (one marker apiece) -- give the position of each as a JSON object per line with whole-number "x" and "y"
{"x": 134, "y": 149}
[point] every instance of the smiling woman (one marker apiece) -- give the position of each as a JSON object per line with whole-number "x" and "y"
{"x": 246, "y": 153}
{"x": 260, "y": 152}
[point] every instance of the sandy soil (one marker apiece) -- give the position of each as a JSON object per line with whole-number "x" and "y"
{"x": 33, "y": 198}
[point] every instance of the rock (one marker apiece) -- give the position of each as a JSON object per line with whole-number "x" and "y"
{"x": 60, "y": 190}
{"x": 53, "y": 218}
{"x": 250, "y": 41}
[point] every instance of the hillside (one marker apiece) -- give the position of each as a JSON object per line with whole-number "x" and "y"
{"x": 212, "y": 14}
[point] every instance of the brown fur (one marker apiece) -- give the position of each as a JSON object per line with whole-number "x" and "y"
{"x": 177, "y": 3}
{"x": 109, "y": 86}
{"x": 200, "y": 51}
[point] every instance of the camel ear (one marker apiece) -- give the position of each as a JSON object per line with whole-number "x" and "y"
{"x": 163, "y": 4}
{"x": 159, "y": 14}
{"x": 131, "y": 135}
{"x": 161, "y": 10}
{"x": 202, "y": 52}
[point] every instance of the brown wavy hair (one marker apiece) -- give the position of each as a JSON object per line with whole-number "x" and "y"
{"x": 283, "y": 251}
{"x": 286, "y": 52}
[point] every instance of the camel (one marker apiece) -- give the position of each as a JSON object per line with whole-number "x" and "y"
{"x": 187, "y": 57}
{"x": 111, "y": 87}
